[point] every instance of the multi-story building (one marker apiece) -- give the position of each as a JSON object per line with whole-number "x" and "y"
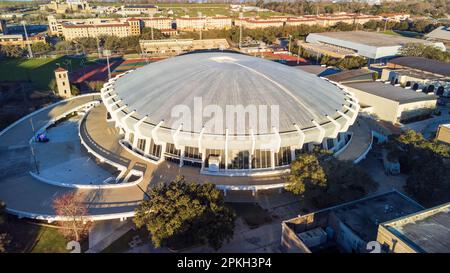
{"x": 157, "y": 22}
{"x": 125, "y": 29}
{"x": 94, "y": 27}
{"x": 19, "y": 40}
{"x": 177, "y": 46}
{"x": 138, "y": 9}
{"x": 197, "y": 23}
{"x": 69, "y": 6}
{"x": 322, "y": 20}
{"x": 252, "y": 23}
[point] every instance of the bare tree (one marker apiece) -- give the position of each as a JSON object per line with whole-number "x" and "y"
{"x": 74, "y": 212}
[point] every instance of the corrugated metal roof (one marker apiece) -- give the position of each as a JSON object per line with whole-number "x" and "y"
{"x": 423, "y": 64}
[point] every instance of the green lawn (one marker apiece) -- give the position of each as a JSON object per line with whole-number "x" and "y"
{"x": 28, "y": 237}
{"x": 50, "y": 241}
{"x": 40, "y": 71}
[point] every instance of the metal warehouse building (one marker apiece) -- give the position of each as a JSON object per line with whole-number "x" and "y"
{"x": 377, "y": 47}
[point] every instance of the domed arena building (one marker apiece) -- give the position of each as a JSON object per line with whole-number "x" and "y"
{"x": 227, "y": 113}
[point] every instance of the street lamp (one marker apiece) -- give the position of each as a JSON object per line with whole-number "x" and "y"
{"x": 30, "y": 52}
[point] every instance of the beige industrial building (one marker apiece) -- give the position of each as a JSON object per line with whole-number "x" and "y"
{"x": 197, "y": 23}
{"x": 427, "y": 231}
{"x": 391, "y": 103}
{"x": 62, "y": 83}
{"x": 168, "y": 47}
{"x": 443, "y": 133}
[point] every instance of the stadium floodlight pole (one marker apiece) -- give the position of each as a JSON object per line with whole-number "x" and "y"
{"x": 151, "y": 25}
{"x": 98, "y": 47}
{"x": 107, "y": 53}
{"x": 30, "y": 52}
{"x": 240, "y": 29}
{"x": 201, "y": 23}
{"x": 290, "y": 37}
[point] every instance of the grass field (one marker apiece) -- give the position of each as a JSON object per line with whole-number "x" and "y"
{"x": 28, "y": 237}
{"x": 40, "y": 71}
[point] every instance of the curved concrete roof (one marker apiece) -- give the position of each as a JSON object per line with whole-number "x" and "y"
{"x": 228, "y": 79}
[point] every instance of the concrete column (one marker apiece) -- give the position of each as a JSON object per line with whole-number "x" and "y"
{"x": 292, "y": 153}
{"x": 163, "y": 148}
{"x": 148, "y": 143}
{"x": 272, "y": 159}
{"x": 203, "y": 151}
{"x": 182, "y": 156}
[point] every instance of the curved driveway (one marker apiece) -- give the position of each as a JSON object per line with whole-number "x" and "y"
{"x": 28, "y": 197}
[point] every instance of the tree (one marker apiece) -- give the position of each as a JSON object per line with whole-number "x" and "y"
{"x": 12, "y": 51}
{"x": 306, "y": 175}
{"x": 424, "y": 161}
{"x": 4, "y": 237}
{"x": 69, "y": 206}
{"x": 429, "y": 52}
{"x": 322, "y": 179}
{"x": 39, "y": 48}
{"x": 187, "y": 214}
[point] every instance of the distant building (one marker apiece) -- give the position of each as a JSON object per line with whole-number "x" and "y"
{"x": 169, "y": 47}
{"x": 416, "y": 73}
{"x": 157, "y": 22}
{"x": 19, "y": 40}
{"x": 62, "y": 82}
{"x": 61, "y": 7}
{"x": 397, "y": 17}
{"x": 321, "y": 20}
{"x": 440, "y": 34}
{"x": 426, "y": 231}
{"x": 94, "y": 27}
{"x": 377, "y": 47}
{"x": 138, "y": 9}
{"x": 197, "y": 23}
{"x": 443, "y": 133}
{"x": 347, "y": 227}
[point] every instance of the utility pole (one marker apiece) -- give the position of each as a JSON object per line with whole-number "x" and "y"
{"x": 30, "y": 52}
{"x": 240, "y": 29}
{"x": 385, "y": 24}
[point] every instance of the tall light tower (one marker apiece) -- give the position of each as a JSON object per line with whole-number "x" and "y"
{"x": 201, "y": 23}
{"x": 30, "y": 52}
{"x": 289, "y": 46}
{"x": 241, "y": 15}
{"x": 151, "y": 25}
